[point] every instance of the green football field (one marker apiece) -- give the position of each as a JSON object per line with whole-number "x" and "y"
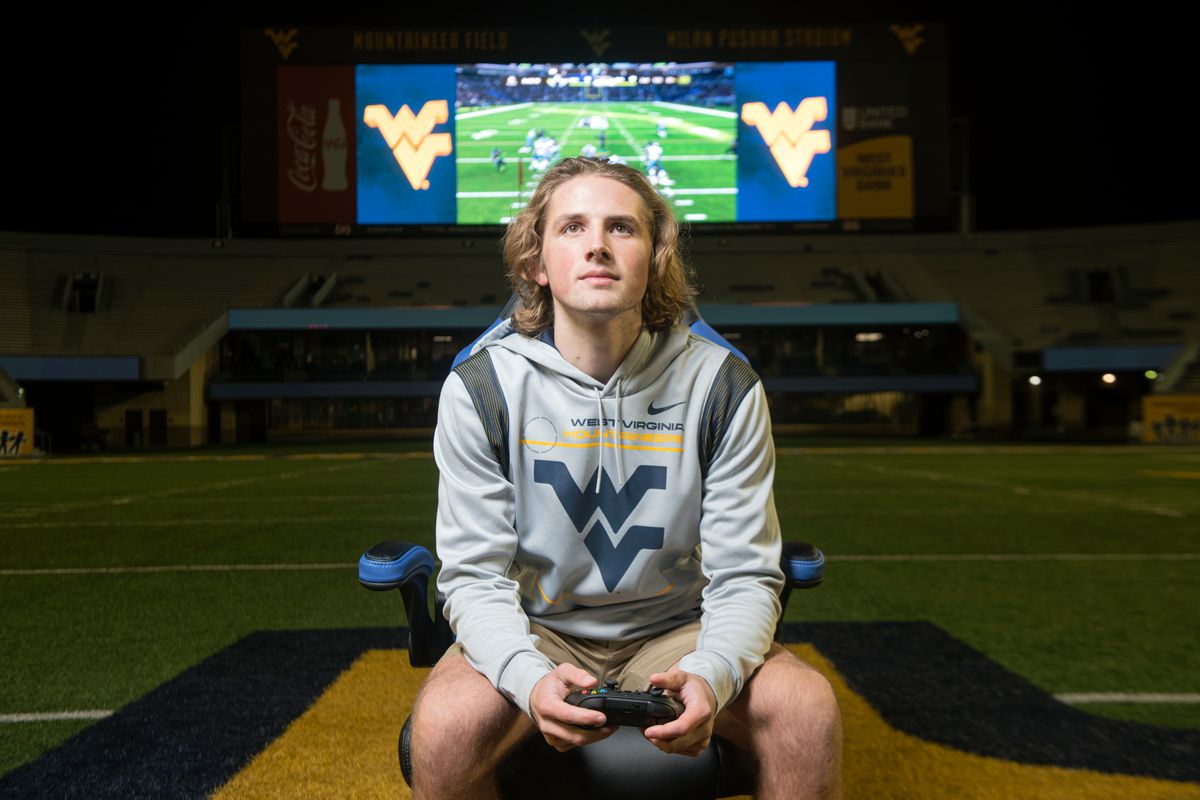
{"x": 696, "y": 153}
{"x": 1076, "y": 568}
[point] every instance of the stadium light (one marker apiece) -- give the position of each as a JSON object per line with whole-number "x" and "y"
{"x": 1034, "y": 380}
{"x": 1108, "y": 378}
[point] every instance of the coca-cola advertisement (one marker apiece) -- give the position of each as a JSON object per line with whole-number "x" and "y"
{"x": 316, "y": 148}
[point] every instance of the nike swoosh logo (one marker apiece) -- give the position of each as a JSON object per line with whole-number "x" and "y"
{"x": 654, "y": 410}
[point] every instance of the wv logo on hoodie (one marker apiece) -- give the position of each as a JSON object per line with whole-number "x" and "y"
{"x": 581, "y": 504}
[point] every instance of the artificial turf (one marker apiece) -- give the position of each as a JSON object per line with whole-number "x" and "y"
{"x": 100, "y": 640}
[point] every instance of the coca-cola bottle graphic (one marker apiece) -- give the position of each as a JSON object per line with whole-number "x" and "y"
{"x": 333, "y": 149}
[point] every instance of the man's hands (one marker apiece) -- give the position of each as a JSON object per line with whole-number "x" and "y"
{"x": 689, "y": 734}
{"x": 563, "y": 725}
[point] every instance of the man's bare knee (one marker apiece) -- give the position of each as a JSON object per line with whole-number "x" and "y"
{"x": 457, "y": 712}
{"x": 788, "y": 717}
{"x": 796, "y": 697}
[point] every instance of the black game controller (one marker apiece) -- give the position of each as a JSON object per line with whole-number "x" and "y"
{"x": 640, "y": 709}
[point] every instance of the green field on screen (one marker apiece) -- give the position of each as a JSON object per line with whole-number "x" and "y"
{"x": 696, "y": 153}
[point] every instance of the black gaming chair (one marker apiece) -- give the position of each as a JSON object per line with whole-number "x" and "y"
{"x": 624, "y": 765}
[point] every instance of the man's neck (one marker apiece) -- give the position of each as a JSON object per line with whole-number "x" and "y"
{"x": 596, "y": 347}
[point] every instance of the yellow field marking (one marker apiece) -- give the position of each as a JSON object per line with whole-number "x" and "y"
{"x": 345, "y": 746}
{"x": 1179, "y": 474}
{"x": 880, "y": 761}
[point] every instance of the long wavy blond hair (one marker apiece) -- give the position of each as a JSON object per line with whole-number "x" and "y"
{"x": 669, "y": 289}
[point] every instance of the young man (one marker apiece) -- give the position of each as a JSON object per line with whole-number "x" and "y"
{"x": 605, "y": 512}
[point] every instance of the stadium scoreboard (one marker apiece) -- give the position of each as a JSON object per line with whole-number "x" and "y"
{"x": 359, "y": 131}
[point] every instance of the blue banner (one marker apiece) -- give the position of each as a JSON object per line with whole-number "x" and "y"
{"x": 405, "y": 140}
{"x": 787, "y": 150}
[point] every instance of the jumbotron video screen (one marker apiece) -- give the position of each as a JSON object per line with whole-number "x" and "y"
{"x": 467, "y": 144}
{"x": 376, "y": 145}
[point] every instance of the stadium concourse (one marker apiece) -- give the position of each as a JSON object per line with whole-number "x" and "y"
{"x": 133, "y": 343}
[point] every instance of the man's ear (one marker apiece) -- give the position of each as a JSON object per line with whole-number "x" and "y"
{"x": 539, "y": 277}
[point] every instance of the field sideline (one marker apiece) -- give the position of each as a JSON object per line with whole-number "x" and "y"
{"x": 1077, "y": 568}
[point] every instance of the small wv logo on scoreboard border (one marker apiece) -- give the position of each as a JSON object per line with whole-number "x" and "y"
{"x": 285, "y": 41}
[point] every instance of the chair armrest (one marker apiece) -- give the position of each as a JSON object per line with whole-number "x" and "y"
{"x": 389, "y": 565}
{"x": 803, "y": 567}
{"x": 803, "y": 564}
{"x": 408, "y": 567}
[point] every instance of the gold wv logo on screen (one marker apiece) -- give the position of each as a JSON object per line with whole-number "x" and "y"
{"x": 410, "y": 137}
{"x": 790, "y": 136}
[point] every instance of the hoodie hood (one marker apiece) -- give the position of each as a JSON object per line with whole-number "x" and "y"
{"x": 650, "y": 357}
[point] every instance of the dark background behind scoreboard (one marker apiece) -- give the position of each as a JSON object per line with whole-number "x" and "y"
{"x": 124, "y": 125}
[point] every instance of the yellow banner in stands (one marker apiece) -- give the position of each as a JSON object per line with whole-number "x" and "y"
{"x": 1171, "y": 419}
{"x": 16, "y": 432}
{"x": 875, "y": 179}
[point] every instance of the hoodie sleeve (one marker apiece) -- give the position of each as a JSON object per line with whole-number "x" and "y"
{"x": 740, "y": 548}
{"x": 476, "y": 542}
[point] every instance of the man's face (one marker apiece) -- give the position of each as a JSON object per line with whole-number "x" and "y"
{"x": 596, "y": 247}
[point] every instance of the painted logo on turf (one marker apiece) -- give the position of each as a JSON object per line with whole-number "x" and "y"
{"x": 790, "y": 136}
{"x": 922, "y": 703}
{"x": 411, "y": 137}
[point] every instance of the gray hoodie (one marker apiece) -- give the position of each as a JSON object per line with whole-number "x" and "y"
{"x": 609, "y": 510}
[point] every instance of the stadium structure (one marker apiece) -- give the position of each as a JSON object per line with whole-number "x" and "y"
{"x": 810, "y": 162}
{"x": 130, "y": 343}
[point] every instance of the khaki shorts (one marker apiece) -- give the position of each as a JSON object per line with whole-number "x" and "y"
{"x": 630, "y": 664}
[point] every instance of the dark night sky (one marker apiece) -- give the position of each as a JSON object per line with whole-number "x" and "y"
{"x": 1072, "y": 121}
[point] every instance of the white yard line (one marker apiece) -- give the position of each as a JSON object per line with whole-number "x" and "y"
{"x": 483, "y": 112}
{"x": 883, "y": 557}
{"x": 1149, "y": 698}
{"x": 712, "y": 112}
{"x": 625, "y": 134}
{"x": 55, "y": 716}
{"x": 1071, "y": 698}
{"x": 195, "y": 489}
{"x": 833, "y": 557}
{"x": 175, "y": 568}
{"x": 199, "y": 522}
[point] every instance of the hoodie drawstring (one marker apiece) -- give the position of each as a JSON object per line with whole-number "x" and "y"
{"x": 600, "y": 415}
{"x": 616, "y": 439}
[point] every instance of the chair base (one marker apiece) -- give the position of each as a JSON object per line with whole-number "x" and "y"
{"x": 623, "y": 766}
